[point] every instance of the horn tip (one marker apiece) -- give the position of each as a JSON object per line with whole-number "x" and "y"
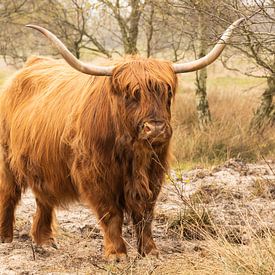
{"x": 33, "y": 26}
{"x": 239, "y": 21}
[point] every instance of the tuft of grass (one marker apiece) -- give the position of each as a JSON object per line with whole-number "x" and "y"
{"x": 209, "y": 193}
{"x": 263, "y": 188}
{"x": 223, "y": 257}
{"x": 192, "y": 223}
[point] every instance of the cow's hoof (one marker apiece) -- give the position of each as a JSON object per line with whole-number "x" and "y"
{"x": 38, "y": 248}
{"x": 116, "y": 257}
{"x": 6, "y": 239}
{"x": 52, "y": 243}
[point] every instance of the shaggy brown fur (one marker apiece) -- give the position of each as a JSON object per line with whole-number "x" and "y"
{"x": 70, "y": 136}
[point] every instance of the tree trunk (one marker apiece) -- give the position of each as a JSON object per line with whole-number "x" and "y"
{"x": 131, "y": 46}
{"x": 77, "y": 50}
{"x": 150, "y": 31}
{"x": 203, "y": 111}
{"x": 265, "y": 114}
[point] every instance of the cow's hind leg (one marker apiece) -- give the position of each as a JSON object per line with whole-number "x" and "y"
{"x": 10, "y": 194}
{"x": 43, "y": 228}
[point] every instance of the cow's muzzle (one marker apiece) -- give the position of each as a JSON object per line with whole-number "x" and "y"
{"x": 155, "y": 131}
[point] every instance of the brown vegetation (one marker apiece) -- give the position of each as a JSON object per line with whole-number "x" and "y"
{"x": 229, "y": 134}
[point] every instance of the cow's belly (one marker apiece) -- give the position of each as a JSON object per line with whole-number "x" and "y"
{"x": 50, "y": 181}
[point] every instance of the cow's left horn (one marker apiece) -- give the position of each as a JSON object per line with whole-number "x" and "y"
{"x": 70, "y": 58}
{"x": 212, "y": 56}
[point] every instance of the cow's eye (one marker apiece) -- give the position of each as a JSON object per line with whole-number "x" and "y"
{"x": 132, "y": 100}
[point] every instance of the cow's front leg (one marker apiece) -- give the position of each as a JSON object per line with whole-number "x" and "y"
{"x": 110, "y": 218}
{"x": 111, "y": 222}
{"x": 143, "y": 227}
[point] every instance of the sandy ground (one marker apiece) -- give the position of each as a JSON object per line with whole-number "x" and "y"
{"x": 234, "y": 192}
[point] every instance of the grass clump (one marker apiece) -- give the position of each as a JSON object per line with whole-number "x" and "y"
{"x": 209, "y": 193}
{"x": 263, "y": 188}
{"x": 222, "y": 257}
{"x": 193, "y": 222}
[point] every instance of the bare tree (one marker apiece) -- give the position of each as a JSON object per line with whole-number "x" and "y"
{"x": 11, "y": 9}
{"x": 10, "y": 14}
{"x": 74, "y": 22}
{"x": 127, "y": 15}
{"x": 258, "y": 46}
{"x": 150, "y": 28}
{"x": 197, "y": 31}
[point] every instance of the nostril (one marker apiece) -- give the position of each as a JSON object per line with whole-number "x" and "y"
{"x": 146, "y": 128}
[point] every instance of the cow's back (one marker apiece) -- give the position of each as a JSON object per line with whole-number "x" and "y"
{"x": 38, "y": 109}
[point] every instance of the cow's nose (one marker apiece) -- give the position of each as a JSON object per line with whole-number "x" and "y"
{"x": 155, "y": 131}
{"x": 153, "y": 127}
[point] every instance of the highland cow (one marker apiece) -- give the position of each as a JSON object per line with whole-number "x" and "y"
{"x": 86, "y": 133}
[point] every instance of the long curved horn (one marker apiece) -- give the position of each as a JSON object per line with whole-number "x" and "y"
{"x": 70, "y": 58}
{"x": 212, "y": 56}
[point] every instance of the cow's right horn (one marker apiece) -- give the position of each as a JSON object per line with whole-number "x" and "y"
{"x": 210, "y": 57}
{"x": 70, "y": 58}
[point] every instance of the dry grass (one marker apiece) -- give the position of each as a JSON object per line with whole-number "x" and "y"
{"x": 5, "y": 72}
{"x": 194, "y": 222}
{"x": 227, "y": 137}
{"x": 263, "y": 188}
{"x": 221, "y": 257}
{"x": 206, "y": 194}
{"x": 214, "y": 257}
{"x": 221, "y": 249}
